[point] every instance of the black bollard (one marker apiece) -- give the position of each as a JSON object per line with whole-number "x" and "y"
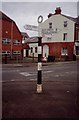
{"x": 39, "y": 78}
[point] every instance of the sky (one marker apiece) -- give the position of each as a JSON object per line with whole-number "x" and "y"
{"x": 24, "y": 12}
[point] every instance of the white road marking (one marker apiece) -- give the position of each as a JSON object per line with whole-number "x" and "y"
{"x": 12, "y": 80}
{"x": 47, "y": 71}
{"x": 27, "y": 74}
{"x": 33, "y": 73}
{"x": 68, "y": 91}
{"x": 57, "y": 75}
{"x": 73, "y": 72}
{"x": 67, "y": 72}
{"x": 33, "y": 79}
{"x": 61, "y": 75}
{"x": 70, "y": 72}
{"x": 7, "y": 81}
{"x": 2, "y": 81}
{"x": 10, "y": 70}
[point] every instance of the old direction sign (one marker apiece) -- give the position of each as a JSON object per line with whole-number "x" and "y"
{"x": 31, "y": 27}
{"x": 49, "y": 31}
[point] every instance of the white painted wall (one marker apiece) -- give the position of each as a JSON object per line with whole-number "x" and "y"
{"x": 33, "y": 45}
{"x": 24, "y": 52}
{"x": 58, "y": 22}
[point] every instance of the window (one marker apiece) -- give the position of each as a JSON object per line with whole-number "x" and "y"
{"x": 35, "y": 49}
{"x": 16, "y": 42}
{"x": 16, "y": 52}
{"x": 49, "y": 38}
{"x": 5, "y": 52}
{"x": 65, "y": 23}
{"x": 25, "y": 37}
{"x": 31, "y": 50}
{"x": 78, "y": 36}
{"x": 6, "y": 41}
{"x": 64, "y": 51}
{"x": 65, "y": 36}
{"x": 77, "y": 50}
{"x": 50, "y": 25}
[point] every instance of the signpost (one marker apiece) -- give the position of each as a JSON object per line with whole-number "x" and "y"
{"x": 39, "y": 79}
{"x": 31, "y": 27}
{"x": 35, "y": 28}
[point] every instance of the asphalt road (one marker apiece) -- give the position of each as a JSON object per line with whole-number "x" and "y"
{"x": 59, "y": 96}
{"x": 49, "y": 72}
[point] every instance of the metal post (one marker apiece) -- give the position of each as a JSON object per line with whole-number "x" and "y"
{"x": 5, "y": 58}
{"x": 23, "y": 50}
{"x": 23, "y": 55}
{"x": 39, "y": 79}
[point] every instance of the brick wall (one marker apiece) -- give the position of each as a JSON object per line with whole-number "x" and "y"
{"x": 55, "y": 49}
{"x": 11, "y": 31}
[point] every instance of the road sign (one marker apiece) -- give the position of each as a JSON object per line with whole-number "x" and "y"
{"x": 49, "y": 31}
{"x": 31, "y": 27}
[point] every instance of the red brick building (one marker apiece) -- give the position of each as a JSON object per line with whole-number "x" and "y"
{"x": 11, "y": 38}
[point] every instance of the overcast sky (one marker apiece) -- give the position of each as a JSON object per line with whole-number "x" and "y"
{"x": 27, "y": 12}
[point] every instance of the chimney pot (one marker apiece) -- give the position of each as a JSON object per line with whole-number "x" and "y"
{"x": 50, "y": 14}
{"x": 58, "y": 10}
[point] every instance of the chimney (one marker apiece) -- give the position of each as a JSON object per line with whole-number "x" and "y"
{"x": 58, "y": 10}
{"x": 50, "y": 14}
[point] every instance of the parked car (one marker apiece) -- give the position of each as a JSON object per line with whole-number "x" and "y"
{"x": 51, "y": 58}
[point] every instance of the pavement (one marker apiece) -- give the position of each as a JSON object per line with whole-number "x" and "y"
{"x": 35, "y": 64}
{"x": 58, "y": 100}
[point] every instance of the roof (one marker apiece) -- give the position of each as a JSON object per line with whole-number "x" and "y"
{"x": 5, "y": 17}
{"x": 24, "y": 34}
{"x": 70, "y": 18}
{"x": 58, "y": 12}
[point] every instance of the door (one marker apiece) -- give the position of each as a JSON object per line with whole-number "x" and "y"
{"x": 45, "y": 51}
{"x": 26, "y": 53}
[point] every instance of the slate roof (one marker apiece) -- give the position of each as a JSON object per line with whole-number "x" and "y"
{"x": 71, "y": 18}
{"x": 24, "y": 34}
{"x": 76, "y": 20}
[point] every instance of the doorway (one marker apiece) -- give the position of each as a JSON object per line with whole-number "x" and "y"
{"x": 45, "y": 51}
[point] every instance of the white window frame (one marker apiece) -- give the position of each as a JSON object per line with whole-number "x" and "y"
{"x": 16, "y": 52}
{"x": 6, "y": 52}
{"x": 65, "y": 24}
{"x": 64, "y": 51}
{"x": 65, "y": 36}
{"x": 6, "y": 41}
{"x": 50, "y": 25}
{"x": 16, "y": 42}
{"x": 31, "y": 49}
{"x": 49, "y": 38}
{"x": 36, "y": 49}
{"x": 78, "y": 36}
